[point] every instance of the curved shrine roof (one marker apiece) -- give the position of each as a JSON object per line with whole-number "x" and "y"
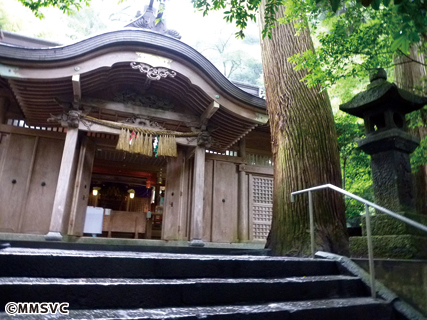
{"x": 128, "y": 37}
{"x": 38, "y": 77}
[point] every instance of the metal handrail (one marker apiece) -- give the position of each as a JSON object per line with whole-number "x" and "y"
{"x": 368, "y": 222}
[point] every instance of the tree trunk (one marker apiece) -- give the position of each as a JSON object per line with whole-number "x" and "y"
{"x": 409, "y": 75}
{"x": 305, "y": 151}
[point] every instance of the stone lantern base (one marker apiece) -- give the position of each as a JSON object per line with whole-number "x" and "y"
{"x": 392, "y": 239}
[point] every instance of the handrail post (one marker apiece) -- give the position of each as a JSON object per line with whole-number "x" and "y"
{"x": 310, "y": 211}
{"x": 368, "y": 223}
{"x": 370, "y": 251}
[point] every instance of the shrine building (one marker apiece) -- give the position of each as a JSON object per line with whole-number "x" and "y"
{"x": 130, "y": 134}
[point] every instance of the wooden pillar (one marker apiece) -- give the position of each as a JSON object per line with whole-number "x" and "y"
{"x": 82, "y": 188}
{"x": 4, "y": 103}
{"x": 242, "y": 148}
{"x": 243, "y": 221}
{"x": 63, "y": 187}
{"x": 198, "y": 193}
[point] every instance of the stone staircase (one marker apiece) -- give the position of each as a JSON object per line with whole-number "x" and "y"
{"x": 138, "y": 285}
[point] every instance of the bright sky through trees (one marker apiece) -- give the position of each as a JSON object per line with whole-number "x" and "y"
{"x": 202, "y": 33}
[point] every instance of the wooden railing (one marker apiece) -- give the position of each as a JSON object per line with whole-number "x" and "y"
{"x": 259, "y": 160}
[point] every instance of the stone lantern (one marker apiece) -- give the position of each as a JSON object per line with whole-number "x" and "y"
{"x": 383, "y": 107}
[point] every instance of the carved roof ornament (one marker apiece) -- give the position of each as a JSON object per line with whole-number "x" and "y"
{"x": 153, "y": 73}
{"x": 154, "y": 23}
{"x": 143, "y": 100}
{"x": 68, "y": 119}
{"x": 204, "y": 139}
{"x": 143, "y": 123}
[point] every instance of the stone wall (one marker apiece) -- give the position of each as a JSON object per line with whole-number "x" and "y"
{"x": 407, "y": 278}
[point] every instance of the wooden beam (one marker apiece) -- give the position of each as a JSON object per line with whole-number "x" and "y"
{"x": 243, "y": 217}
{"x": 188, "y": 119}
{"x": 76, "y": 88}
{"x": 119, "y": 179}
{"x": 190, "y": 141}
{"x": 220, "y": 157}
{"x": 209, "y": 112}
{"x": 143, "y": 167}
{"x": 259, "y": 170}
{"x": 122, "y": 172}
{"x": 32, "y": 132}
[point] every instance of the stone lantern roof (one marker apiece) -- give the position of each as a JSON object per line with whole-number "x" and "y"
{"x": 382, "y": 95}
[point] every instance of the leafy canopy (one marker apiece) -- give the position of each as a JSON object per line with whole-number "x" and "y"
{"x": 66, "y": 6}
{"x": 354, "y": 35}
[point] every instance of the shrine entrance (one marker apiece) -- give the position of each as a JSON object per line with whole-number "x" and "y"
{"x": 126, "y": 191}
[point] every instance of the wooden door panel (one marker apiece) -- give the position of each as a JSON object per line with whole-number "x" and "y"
{"x": 14, "y": 177}
{"x": 42, "y": 188}
{"x": 224, "y": 213}
{"x": 173, "y": 197}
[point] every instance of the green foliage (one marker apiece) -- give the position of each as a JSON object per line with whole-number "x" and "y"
{"x": 355, "y": 39}
{"x": 346, "y": 89}
{"x": 419, "y": 157}
{"x": 417, "y": 119}
{"x": 350, "y": 44}
{"x": 408, "y": 18}
{"x": 355, "y": 165}
{"x": 355, "y": 36}
{"x": 66, "y": 6}
{"x": 241, "y": 12}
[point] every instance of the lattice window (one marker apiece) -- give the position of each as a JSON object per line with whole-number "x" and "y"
{"x": 262, "y": 216}
{"x": 263, "y": 213}
{"x": 261, "y": 231}
{"x": 262, "y": 206}
{"x": 263, "y": 190}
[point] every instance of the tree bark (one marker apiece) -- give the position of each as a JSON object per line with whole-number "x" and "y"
{"x": 305, "y": 151}
{"x": 410, "y": 75}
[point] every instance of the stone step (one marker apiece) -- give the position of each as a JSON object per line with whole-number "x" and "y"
{"x": 156, "y": 293}
{"x": 52, "y": 263}
{"x": 141, "y": 245}
{"x": 348, "y": 309}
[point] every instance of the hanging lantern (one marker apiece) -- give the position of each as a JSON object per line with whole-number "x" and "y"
{"x": 131, "y": 193}
{"x": 95, "y": 191}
